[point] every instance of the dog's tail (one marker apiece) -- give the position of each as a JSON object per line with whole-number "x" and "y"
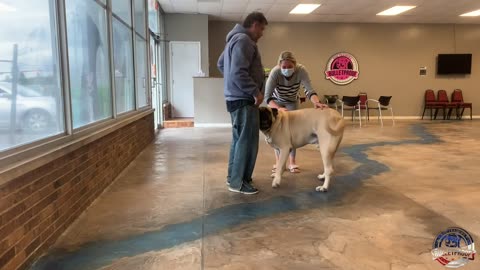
{"x": 335, "y": 123}
{"x": 334, "y": 126}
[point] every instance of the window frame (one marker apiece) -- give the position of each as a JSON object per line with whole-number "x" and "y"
{"x": 30, "y": 152}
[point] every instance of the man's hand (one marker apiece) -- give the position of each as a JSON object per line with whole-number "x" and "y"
{"x": 320, "y": 106}
{"x": 258, "y": 99}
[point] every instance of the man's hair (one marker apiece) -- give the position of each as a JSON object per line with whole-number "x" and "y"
{"x": 254, "y": 17}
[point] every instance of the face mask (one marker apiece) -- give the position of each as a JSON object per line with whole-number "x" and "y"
{"x": 287, "y": 72}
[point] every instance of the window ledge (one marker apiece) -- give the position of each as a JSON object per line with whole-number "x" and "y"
{"x": 27, "y": 160}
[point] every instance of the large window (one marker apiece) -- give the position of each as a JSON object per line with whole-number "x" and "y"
{"x": 123, "y": 62}
{"x": 143, "y": 86}
{"x": 140, "y": 17}
{"x": 123, "y": 9}
{"x": 30, "y": 94}
{"x": 61, "y": 73}
{"x": 141, "y": 66}
{"x": 88, "y": 59}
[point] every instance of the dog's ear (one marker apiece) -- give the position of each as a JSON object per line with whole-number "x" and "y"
{"x": 275, "y": 112}
{"x": 263, "y": 112}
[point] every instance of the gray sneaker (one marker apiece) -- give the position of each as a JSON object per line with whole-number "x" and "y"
{"x": 228, "y": 182}
{"x": 245, "y": 189}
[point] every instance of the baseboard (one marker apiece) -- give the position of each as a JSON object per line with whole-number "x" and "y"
{"x": 212, "y": 125}
{"x": 426, "y": 117}
{"x": 389, "y": 117}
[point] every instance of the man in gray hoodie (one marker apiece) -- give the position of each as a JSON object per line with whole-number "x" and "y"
{"x": 243, "y": 73}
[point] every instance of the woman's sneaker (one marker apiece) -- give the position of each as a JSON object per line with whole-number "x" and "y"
{"x": 245, "y": 189}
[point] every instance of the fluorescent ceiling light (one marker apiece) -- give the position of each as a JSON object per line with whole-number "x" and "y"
{"x": 304, "y": 8}
{"x": 6, "y": 8}
{"x": 395, "y": 10}
{"x": 472, "y": 14}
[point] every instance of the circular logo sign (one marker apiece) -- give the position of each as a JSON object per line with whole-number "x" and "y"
{"x": 453, "y": 248}
{"x": 342, "y": 68}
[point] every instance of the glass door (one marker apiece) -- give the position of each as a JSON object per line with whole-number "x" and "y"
{"x": 156, "y": 82}
{"x": 155, "y": 61}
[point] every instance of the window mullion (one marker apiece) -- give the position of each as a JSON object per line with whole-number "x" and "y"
{"x": 64, "y": 70}
{"x": 110, "y": 57}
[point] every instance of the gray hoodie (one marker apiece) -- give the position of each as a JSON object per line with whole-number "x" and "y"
{"x": 241, "y": 66}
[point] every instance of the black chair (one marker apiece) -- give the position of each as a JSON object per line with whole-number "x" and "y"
{"x": 352, "y": 103}
{"x": 331, "y": 101}
{"x": 383, "y": 103}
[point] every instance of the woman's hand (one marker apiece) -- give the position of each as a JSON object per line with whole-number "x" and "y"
{"x": 273, "y": 104}
{"x": 320, "y": 106}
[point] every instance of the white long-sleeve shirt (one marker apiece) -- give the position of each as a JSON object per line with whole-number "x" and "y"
{"x": 278, "y": 88}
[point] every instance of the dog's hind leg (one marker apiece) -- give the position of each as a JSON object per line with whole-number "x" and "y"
{"x": 282, "y": 159}
{"x": 327, "y": 167}
{"x": 328, "y": 147}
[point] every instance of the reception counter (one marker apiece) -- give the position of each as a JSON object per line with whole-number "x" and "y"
{"x": 209, "y": 103}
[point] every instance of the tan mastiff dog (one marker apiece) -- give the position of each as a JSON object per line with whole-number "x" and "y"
{"x": 285, "y": 130}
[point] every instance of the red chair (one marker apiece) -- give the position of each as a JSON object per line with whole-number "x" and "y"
{"x": 442, "y": 98}
{"x": 362, "y": 102}
{"x": 431, "y": 103}
{"x": 457, "y": 97}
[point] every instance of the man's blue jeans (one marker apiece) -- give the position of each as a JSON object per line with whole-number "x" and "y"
{"x": 244, "y": 147}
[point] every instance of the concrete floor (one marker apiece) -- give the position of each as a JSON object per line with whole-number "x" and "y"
{"x": 395, "y": 188}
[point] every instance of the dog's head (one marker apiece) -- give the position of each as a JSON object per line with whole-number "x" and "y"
{"x": 267, "y": 117}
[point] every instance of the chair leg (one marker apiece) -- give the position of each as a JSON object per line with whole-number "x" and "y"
{"x": 461, "y": 114}
{"x": 424, "y": 109}
{"x": 449, "y": 114}
{"x": 393, "y": 118}
{"x": 360, "y": 116}
{"x": 471, "y": 113}
{"x": 380, "y": 115}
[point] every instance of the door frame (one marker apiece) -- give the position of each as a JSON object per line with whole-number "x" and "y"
{"x": 170, "y": 56}
{"x": 155, "y": 59}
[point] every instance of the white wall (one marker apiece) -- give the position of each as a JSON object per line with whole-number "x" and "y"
{"x": 389, "y": 56}
{"x": 187, "y": 27}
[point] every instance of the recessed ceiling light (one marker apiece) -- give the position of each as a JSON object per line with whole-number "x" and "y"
{"x": 395, "y": 10}
{"x": 304, "y": 8}
{"x": 472, "y": 14}
{"x": 6, "y": 8}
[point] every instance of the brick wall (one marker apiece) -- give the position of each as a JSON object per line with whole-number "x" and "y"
{"x": 37, "y": 207}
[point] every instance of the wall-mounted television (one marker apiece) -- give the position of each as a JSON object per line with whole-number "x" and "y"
{"x": 454, "y": 63}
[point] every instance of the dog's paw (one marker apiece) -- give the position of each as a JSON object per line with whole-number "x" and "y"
{"x": 272, "y": 175}
{"x": 321, "y": 189}
{"x": 275, "y": 184}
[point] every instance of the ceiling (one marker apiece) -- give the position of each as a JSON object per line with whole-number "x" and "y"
{"x": 427, "y": 11}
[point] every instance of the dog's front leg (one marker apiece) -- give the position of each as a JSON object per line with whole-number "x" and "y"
{"x": 282, "y": 160}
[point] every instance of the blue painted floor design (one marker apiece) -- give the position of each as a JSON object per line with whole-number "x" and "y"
{"x": 99, "y": 254}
